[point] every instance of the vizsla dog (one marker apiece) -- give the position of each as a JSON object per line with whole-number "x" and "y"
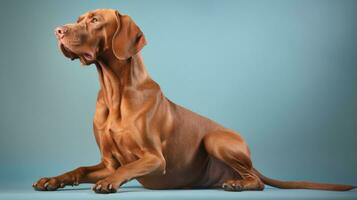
{"x": 143, "y": 135}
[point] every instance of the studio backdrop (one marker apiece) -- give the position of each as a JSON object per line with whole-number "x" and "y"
{"x": 282, "y": 73}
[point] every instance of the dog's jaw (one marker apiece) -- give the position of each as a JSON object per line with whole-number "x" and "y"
{"x": 66, "y": 51}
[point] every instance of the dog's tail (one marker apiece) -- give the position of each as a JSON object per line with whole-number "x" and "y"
{"x": 303, "y": 184}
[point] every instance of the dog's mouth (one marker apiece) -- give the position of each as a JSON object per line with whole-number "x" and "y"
{"x": 88, "y": 56}
{"x": 85, "y": 58}
{"x": 67, "y": 52}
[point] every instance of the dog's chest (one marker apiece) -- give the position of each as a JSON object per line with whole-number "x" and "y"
{"x": 118, "y": 144}
{"x": 119, "y": 136}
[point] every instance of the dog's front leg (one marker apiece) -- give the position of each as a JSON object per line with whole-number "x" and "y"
{"x": 148, "y": 163}
{"x": 90, "y": 174}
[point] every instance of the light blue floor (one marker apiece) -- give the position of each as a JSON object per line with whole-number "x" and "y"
{"x": 25, "y": 191}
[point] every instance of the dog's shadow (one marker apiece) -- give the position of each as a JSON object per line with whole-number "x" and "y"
{"x": 123, "y": 189}
{"x": 120, "y": 190}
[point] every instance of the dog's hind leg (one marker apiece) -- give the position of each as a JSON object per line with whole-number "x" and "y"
{"x": 233, "y": 151}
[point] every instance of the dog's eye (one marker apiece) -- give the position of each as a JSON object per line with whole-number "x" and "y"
{"x": 94, "y": 20}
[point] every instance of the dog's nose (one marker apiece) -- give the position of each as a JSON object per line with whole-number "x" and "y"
{"x": 61, "y": 31}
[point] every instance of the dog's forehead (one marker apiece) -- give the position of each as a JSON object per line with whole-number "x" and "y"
{"x": 101, "y": 12}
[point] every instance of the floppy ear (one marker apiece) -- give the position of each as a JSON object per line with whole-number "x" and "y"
{"x": 128, "y": 39}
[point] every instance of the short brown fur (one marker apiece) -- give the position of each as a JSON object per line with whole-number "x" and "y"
{"x": 140, "y": 133}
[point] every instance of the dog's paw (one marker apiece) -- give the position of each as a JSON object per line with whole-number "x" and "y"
{"x": 48, "y": 184}
{"x": 105, "y": 186}
{"x": 240, "y": 185}
{"x": 232, "y": 185}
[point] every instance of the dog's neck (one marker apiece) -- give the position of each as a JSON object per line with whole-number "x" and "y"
{"x": 115, "y": 75}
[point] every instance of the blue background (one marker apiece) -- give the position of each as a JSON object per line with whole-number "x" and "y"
{"x": 283, "y": 73}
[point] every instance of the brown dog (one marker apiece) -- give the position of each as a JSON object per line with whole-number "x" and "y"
{"x": 140, "y": 133}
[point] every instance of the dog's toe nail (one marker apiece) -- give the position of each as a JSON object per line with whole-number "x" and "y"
{"x": 46, "y": 184}
{"x": 110, "y": 186}
{"x": 98, "y": 187}
{"x": 62, "y": 185}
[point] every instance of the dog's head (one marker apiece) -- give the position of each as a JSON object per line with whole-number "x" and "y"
{"x": 97, "y": 32}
